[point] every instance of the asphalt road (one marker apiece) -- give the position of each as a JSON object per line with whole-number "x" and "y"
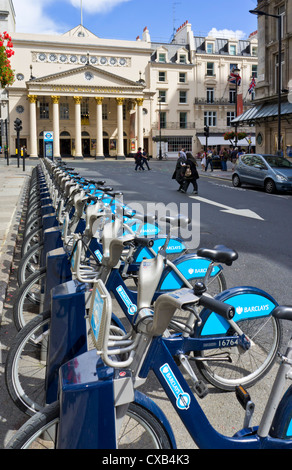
{"x": 263, "y": 245}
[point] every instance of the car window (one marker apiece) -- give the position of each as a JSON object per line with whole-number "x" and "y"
{"x": 257, "y": 161}
{"x": 246, "y": 160}
{"x": 278, "y": 162}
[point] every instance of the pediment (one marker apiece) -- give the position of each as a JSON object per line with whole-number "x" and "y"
{"x": 87, "y": 75}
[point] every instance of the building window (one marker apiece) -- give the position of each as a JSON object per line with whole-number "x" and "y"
{"x": 104, "y": 112}
{"x": 232, "y": 49}
{"x": 162, "y": 96}
{"x": 162, "y": 57}
{"x": 210, "y": 69}
{"x": 210, "y": 48}
{"x": 210, "y": 118}
{"x": 281, "y": 12}
{"x": 182, "y": 59}
{"x": 182, "y": 77}
{"x": 175, "y": 144}
{"x": 233, "y": 67}
{"x": 210, "y": 95}
{"x": 162, "y": 77}
{"x": 254, "y": 71}
{"x": 230, "y": 116}
{"x": 277, "y": 69}
{"x": 183, "y": 120}
{"x": 64, "y": 111}
{"x": 162, "y": 120}
{"x": 232, "y": 95}
{"x": 254, "y": 51}
{"x": 44, "y": 110}
{"x": 182, "y": 97}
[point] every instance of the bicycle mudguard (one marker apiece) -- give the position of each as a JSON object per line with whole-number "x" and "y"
{"x": 175, "y": 246}
{"x": 282, "y": 423}
{"x": 249, "y": 303}
{"x": 191, "y": 266}
{"x": 153, "y": 408}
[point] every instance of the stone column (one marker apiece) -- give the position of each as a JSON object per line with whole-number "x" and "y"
{"x": 56, "y": 125}
{"x": 120, "y": 147}
{"x": 99, "y": 155}
{"x": 33, "y": 153}
{"x": 78, "y": 138}
{"x": 140, "y": 122}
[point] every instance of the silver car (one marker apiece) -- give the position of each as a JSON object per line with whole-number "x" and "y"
{"x": 270, "y": 172}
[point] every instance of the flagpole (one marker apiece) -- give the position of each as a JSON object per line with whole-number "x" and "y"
{"x": 81, "y": 13}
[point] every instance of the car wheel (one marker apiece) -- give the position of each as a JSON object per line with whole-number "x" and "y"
{"x": 236, "y": 181}
{"x": 270, "y": 186}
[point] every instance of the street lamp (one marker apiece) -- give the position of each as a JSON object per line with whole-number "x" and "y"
{"x": 160, "y": 148}
{"x": 236, "y": 72}
{"x": 279, "y": 18}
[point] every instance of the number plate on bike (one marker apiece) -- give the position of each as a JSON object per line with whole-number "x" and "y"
{"x": 99, "y": 313}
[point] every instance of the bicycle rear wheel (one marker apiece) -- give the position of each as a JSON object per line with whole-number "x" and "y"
{"x": 140, "y": 430}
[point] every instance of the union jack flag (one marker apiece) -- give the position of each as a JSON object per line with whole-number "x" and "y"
{"x": 252, "y": 85}
{"x": 234, "y": 78}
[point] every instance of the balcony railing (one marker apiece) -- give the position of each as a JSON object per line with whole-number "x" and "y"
{"x": 219, "y": 101}
{"x": 174, "y": 125}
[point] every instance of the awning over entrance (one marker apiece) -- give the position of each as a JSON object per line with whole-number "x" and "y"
{"x": 263, "y": 112}
{"x": 219, "y": 140}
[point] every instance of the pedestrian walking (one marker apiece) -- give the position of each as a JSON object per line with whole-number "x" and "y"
{"x": 209, "y": 159}
{"x": 224, "y": 158}
{"x": 194, "y": 176}
{"x": 138, "y": 160}
{"x": 179, "y": 171}
{"x": 233, "y": 157}
{"x": 203, "y": 161}
{"x": 145, "y": 159}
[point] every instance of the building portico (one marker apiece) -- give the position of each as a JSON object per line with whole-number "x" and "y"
{"x": 87, "y": 114}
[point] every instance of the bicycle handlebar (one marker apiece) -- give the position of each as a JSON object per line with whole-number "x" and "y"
{"x": 224, "y": 310}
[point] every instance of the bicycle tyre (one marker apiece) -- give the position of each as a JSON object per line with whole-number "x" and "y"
{"x": 27, "y": 302}
{"x": 29, "y": 264}
{"x": 25, "y": 369}
{"x": 32, "y": 238}
{"x": 46, "y": 421}
{"x": 247, "y": 368}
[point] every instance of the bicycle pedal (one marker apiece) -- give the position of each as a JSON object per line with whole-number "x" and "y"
{"x": 201, "y": 389}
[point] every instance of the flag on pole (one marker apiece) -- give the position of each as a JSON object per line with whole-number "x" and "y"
{"x": 234, "y": 78}
{"x": 252, "y": 85}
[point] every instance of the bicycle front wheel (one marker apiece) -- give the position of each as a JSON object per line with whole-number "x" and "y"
{"x": 26, "y": 365}
{"x": 27, "y": 302}
{"x": 140, "y": 430}
{"x": 245, "y": 367}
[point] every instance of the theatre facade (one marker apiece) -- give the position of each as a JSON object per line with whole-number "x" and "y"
{"x": 105, "y": 97}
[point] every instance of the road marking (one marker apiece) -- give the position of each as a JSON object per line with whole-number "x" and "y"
{"x": 229, "y": 210}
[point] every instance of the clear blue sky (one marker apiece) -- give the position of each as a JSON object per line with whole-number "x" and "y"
{"x": 126, "y": 19}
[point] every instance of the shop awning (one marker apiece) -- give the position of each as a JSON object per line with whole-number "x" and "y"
{"x": 263, "y": 112}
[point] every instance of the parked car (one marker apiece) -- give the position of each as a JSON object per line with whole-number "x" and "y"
{"x": 270, "y": 172}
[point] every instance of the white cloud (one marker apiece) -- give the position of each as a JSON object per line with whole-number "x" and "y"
{"x": 97, "y": 6}
{"x": 227, "y": 33}
{"x": 30, "y": 17}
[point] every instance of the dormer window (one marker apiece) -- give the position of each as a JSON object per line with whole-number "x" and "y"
{"x": 162, "y": 57}
{"x": 210, "y": 48}
{"x": 232, "y": 49}
{"x": 182, "y": 59}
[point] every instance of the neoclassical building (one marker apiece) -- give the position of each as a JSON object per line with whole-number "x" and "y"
{"x": 105, "y": 97}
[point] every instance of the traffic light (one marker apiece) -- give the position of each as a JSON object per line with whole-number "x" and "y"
{"x": 18, "y": 125}
{"x": 206, "y": 131}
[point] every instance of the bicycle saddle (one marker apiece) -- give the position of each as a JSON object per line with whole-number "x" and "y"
{"x": 283, "y": 312}
{"x": 220, "y": 254}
